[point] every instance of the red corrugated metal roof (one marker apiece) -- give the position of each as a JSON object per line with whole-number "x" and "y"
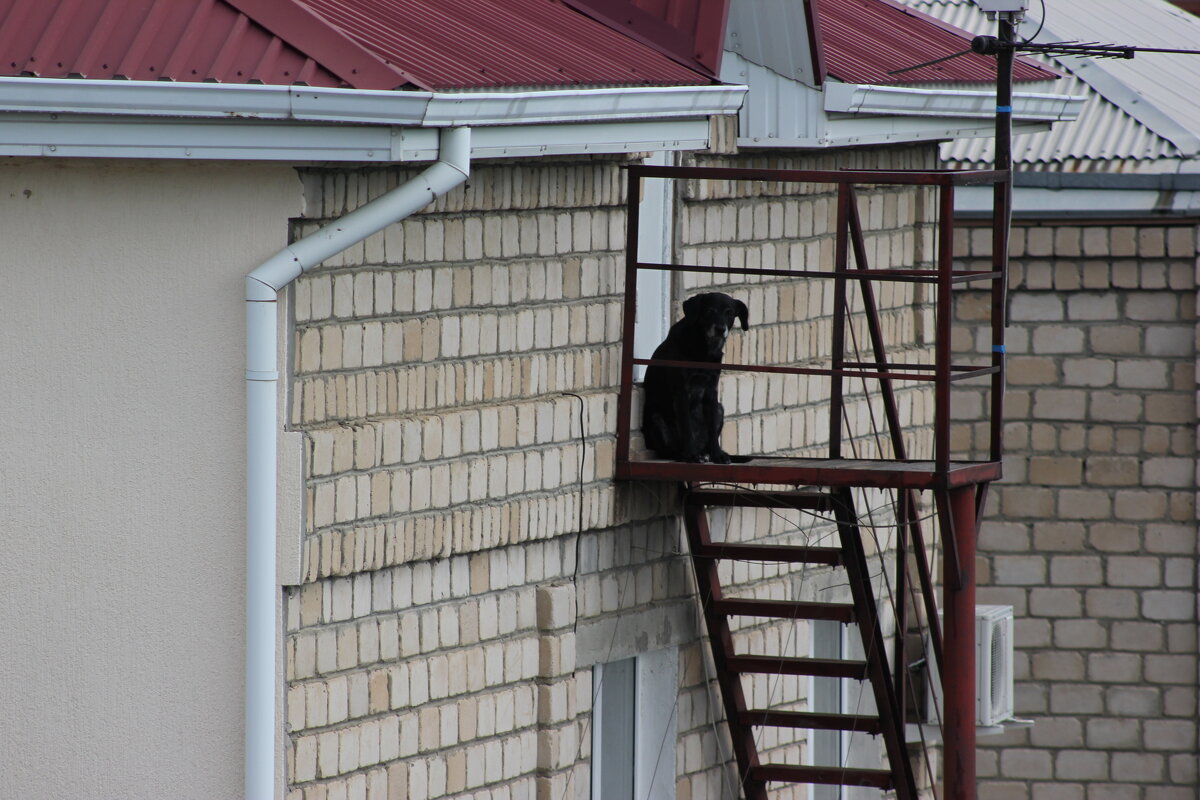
{"x": 361, "y": 44}
{"x": 461, "y": 44}
{"x": 147, "y": 40}
{"x": 863, "y": 40}
{"x": 451, "y": 44}
{"x": 690, "y": 31}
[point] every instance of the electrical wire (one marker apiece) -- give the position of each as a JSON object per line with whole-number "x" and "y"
{"x": 1041, "y": 24}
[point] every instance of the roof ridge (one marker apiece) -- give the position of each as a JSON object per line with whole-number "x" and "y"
{"x": 302, "y": 27}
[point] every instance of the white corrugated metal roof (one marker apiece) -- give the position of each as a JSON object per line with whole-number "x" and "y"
{"x": 1141, "y": 115}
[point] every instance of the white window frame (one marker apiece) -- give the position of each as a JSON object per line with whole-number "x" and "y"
{"x": 827, "y": 696}
{"x": 656, "y": 244}
{"x": 655, "y": 688}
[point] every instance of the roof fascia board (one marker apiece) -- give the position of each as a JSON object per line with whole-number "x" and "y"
{"x": 1167, "y": 181}
{"x": 815, "y": 44}
{"x": 325, "y": 43}
{"x": 209, "y": 100}
{"x": 241, "y": 101}
{"x": 97, "y": 136}
{"x": 1125, "y": 97}
{"x": 848, "y": 98}
{"x": 852, "y": 132}
{"x": 972, "y": 202}
{"x": 593, "y": 105}
{"x": 590, "y": 138}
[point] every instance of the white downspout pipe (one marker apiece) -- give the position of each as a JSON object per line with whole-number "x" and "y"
{"x": 262, "y": 424}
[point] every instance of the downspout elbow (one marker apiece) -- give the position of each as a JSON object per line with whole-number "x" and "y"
{"x": 452, "y": 168}
{"x": 455, "y": 151}
{"x": 265, "y": 282}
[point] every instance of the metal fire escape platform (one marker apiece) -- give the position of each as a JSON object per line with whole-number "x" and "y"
{"x": 827, "y": 484}
{"x": 850, "y": 265}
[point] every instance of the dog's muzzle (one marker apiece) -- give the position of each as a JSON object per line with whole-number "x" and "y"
{"x": 716, "y": 336}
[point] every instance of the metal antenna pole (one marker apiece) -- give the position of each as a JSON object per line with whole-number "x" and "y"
{"x": 1001, "y": 223}
{"x": 958, "y": 678}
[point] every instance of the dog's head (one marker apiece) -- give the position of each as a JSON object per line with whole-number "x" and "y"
{"x": 714, "y": 313}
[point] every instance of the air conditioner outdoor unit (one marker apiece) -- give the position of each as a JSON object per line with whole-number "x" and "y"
{"x": 993, "y": 664}
{"x": 993, "y": 670}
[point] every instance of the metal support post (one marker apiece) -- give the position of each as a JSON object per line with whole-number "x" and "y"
{"x": 958, "y": 632}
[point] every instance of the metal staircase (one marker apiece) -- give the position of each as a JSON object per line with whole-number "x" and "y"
{"x": 888, "y": 723}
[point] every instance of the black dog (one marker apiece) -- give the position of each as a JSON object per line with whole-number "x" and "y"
{"x": 682, "y": 418}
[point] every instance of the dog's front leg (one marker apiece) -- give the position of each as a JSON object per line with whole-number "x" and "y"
{"x": 690, "y": 446}
{"x": 716, "y": 422}
{"x": 690, "y": 431}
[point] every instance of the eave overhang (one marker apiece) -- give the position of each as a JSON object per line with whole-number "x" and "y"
{"x": 858, "y": 114}
{"x": 1052, "y": 196}
{"x": 859, "y": 99}
{"x": 86, "y": 118}
{"x": 783, "y": 113}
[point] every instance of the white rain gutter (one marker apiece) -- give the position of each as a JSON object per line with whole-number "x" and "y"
{"x": 318, "y": 104}
{"x": 850, "y": 98}
{"x": 262, "y": 421}
{"x": 78, "y": 118}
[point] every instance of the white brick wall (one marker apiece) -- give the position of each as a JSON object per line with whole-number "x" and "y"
{"x": 1092, "y": 535}
{"x": 434, "y": 649}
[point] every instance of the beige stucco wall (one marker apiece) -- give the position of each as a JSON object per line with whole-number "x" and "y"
{"x": 121, "y": 472}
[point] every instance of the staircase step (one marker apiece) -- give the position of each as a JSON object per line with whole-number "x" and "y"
{"x": 819, "y": 667}
{"x": 804, "y": 719}
{"x": 773, "y": 552}
{"x": 785, "y": 609}
{"x": 805, "y": 499}
{"x": 835, "y": 776}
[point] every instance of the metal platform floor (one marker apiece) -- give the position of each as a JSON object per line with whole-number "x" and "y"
{"x": 882, "y": 474}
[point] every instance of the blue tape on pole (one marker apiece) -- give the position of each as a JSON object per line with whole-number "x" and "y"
{"x": 1004, "y": 109}
{"x": 998, "y": 348}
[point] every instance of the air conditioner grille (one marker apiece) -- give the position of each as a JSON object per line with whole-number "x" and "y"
{"x": 998, "y": 662}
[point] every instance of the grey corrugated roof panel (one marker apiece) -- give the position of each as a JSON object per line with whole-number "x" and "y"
{"x": 1163, "y": 85}
{"x": 1103, "y": 134}
{"x": 1141, "y": 115}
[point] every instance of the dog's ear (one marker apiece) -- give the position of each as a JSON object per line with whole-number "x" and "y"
{"x": 693, "y": 305}
{"x": 743, "y": 314}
